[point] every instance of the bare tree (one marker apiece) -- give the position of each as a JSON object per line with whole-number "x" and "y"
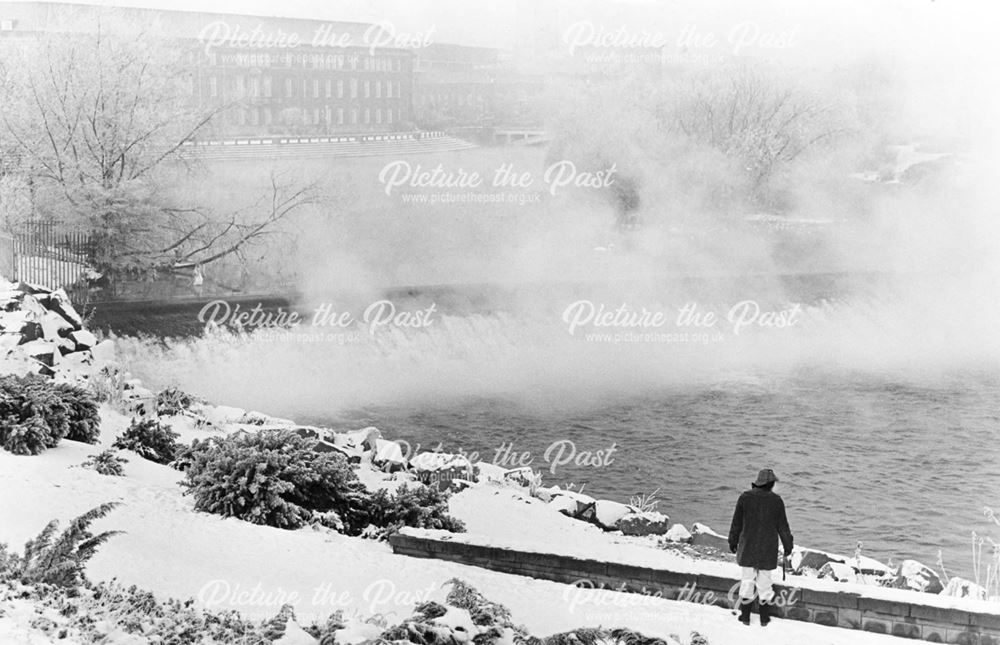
{"x": 99, "y": 120}
{"x": 756, "y": 120}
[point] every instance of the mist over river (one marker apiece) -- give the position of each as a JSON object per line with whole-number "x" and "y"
{"x": 878, "y": 415}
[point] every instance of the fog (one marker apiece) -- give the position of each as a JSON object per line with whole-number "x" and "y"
{"x": 917, "y": 269}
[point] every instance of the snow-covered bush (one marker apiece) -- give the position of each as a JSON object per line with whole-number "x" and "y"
{"x": 150, "y": 440}
{"x": 274, "y": 477}
{"x": 108, "y": 612}
{"x": 173, "y": 401}
{"x": 33, "y": 414}
{"x": 57, "y": 560}
{"x": 420, "y": 506}
{"x": 84, "y": 419}
{"x": 106, "y": 463}
{"x": 28, "y": 437}
{"x": 36, "y": 414}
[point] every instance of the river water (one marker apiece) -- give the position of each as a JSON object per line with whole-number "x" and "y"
{"x": 879, "y": 418}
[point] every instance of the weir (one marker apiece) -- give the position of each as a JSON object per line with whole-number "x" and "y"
{"x": 887, "y": 611}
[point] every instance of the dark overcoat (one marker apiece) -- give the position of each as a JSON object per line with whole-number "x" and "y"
{"x": 758, "y": 523}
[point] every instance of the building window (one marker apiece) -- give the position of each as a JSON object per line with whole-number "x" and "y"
{"x": 267, "y": 87}
{"x": 388, "y": 116}
{"x": 378, "y": 89}
{"x": 354, "y": 116}
{"x": 368, "y": 89}
{"x": 397, "y": 88}
{"x": 340, "y": 116}
{"x": 354, "y": 88}
{"x": 368, "y": 116}
{"x": 378, "y": 115}
{"x": 340, "y": 88}
{"x": 329, "y": 88}
{"x": 241, "y": 87}
{"x": 289, "y": 88}
{"x": 315, "y": 88}
{"x": 255, "y": 87}
{"x": 388, "y": 89}
{"x": 315, "y": 116}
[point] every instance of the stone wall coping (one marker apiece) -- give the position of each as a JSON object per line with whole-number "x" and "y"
{"x": 648, "y": 558}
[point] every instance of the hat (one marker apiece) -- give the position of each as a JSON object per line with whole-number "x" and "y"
{"x": 765, "y": 477}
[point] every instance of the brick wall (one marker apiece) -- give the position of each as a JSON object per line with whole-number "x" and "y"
{"x": 841, "y": 609}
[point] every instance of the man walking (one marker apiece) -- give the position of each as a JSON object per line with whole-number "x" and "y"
{"x": 758, "y": 522}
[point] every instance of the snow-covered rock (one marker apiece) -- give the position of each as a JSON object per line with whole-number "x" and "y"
{"x": 104, "y": 352}
{"x": 459, "y": 621}
{"x": 644, "y": 523}
{"x": 546, "y": 494}
{"x": 83, "y": 338}
{"x": 388, "y": 455}
{"x": 357, "y": 631}
{"x": 52, "y": 324}
{"x": 678, "y": 533}
{"x": 489, "y": 472}
{"x": 523, "y": 476}
{"x": 438, "y": 461}
{"x": 365, "y": 439}
{"x": 607, "y": 514}
{"x": 572, "y": 504}
{"x": 702, "y": 535}
{"x": 962, "y": 588}
{"x": 839, "y": 571}
{"x": 918, "y": 577}
{"x": 295, "y": 635}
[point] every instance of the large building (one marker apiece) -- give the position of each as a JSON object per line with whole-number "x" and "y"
{"x": 271, "y": 76}
{"x": 463, "y": 86}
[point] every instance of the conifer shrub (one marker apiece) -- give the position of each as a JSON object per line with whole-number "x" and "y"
{"x": 106, "y": 463}
{"x": 421, "y": 507}
{"x": 151, "y": 440}
{"x": 58, "y": 559}
{"x": 83, "y": 418}
{"x": 33, "y": 415}
{"x": 274, "y": 477}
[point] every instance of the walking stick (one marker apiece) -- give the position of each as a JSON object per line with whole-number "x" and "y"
{"x": 784, "y": 566}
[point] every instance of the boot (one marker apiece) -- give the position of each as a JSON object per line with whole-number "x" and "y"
{"x": 745, "y": 607}
{"x": 765, "y": 614}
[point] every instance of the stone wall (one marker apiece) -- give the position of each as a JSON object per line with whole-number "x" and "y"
{"x": 840, "y": 609}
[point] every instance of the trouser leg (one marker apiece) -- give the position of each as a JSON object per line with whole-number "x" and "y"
{"x": 748, "y": 584}
{"x": 765, "y": 590}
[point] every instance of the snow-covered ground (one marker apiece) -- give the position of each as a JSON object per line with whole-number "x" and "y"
{"x": 227, "y": 563}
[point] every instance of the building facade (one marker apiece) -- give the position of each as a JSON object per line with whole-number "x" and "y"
{"x": 265, "y": 76}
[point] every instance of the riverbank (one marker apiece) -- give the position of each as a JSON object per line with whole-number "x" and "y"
{"x": 174, "y": 551}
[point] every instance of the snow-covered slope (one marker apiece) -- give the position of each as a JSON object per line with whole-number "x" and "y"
{"x": 226, "y": 563}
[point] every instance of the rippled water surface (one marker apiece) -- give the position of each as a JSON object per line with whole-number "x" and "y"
{"x": 905, "y": 469}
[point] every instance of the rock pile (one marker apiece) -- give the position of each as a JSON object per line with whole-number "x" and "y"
{"x": 42, "y": 333}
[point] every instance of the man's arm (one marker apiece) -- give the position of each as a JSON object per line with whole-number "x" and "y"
{"x": 737, "y": 525}
{"x": 784, "y": 532}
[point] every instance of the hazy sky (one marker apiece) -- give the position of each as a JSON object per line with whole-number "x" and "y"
{"x": 945, "y": 50}
{"x": 823, "y": 27}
